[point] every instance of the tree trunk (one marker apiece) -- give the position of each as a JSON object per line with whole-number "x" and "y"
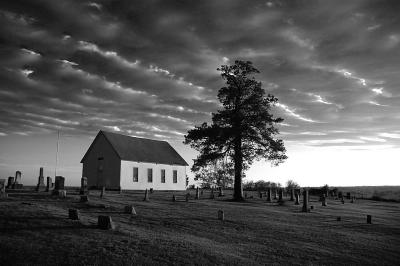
{"x": 238, "y": 159}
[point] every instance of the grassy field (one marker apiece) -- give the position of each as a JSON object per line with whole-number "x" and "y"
{"x": 378, "y": 192}
{"x": 35, "y": 230}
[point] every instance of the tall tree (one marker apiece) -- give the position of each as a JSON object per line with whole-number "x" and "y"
{"x": 243, "y": 129}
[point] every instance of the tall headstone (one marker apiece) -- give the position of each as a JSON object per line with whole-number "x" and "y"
{"x": 3, "y": 188}
{"x": 84, "y": 186}
{"x": 221, "y": 192}
{"x": 305, "y": 200}
{"x": 173, "y": 198}
{"x": 197, "y": 193}
{"x": 40, "y": 183}
{"x": 260, "y": 195}
{"x": 297, "y": 197}
{"x": 18, "y": 180}
{"x": 146, "y": 195}
{"x": 275, "y": 193}
{"x": 269, "y": 194}
{"x": 105, "y": 222}
{"x": 49, "y": 184}
{"x": 10, "y": 182}
{"x": 369, "y": 219}
{"x": 292, "y": 194}
{"x": 323, "y": 200}
{"x": 280, "y": 195}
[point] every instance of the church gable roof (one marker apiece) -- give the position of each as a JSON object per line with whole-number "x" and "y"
{"x": 142, "y": 150}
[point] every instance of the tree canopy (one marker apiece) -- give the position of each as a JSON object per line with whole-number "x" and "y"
{"x": 243, "y": 130}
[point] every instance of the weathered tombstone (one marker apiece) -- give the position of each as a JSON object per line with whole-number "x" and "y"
{"x": 342, "y": 200}
{"x": 338, "y": 218}
{"x": 275, "y": 193}
{"x": 151, "y": 190}
{"x": 280, "y": 195}
{"x": 10, "y": 182}
{"x": 369, "y": 219}
{"x": 305, "y": 200}
{"x": 297, "y": 198}
{"x": 84, "y": 198}
{"x": 173, "y": 198}
{"x": 129, "y": 209}
{"x": 312, "y": 207}
{"x": 221, "y": 215}
{"x": 221, "y": 192}
{"x": 40, "y": 183}
{"x": 18, "y": 180}
{"x": 105, "y": 222}
{"x": 84, "y": 186}
{"x": 212, "y": 193}
{"x": 352, "y": 199}
{"x": 49, "y": 183}
{"x": 3, "y": 188}
{"x": 260, "y": 195}
{"x": 269, "y": 194}
{"x": 348, "y": 195}
{"x": 59, "y": 183}
{"x": 323, "y": 200}
{"x": 197, "y": 193}
{"x": 292, "y": 194}
{"x": 103, "y": 192}
{"x": 73, "y": 214}
{"x": 146, "y": 195}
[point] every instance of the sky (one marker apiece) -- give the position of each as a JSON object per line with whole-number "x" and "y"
{"x": 148, "y": 69}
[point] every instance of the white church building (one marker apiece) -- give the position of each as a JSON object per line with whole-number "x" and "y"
{"x": 117, "y": 161}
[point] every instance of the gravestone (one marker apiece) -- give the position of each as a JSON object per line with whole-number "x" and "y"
{"x": 197, "y": 193}
{"x": 312, "y": 207}
{"x": 59, "y": 188}
{"x": 59, "y": 183}
{"x": 3, "y": 188}
{"x": 275, "y": 193}
{"x": 212, "y": 194}
{"x": 84, "y": 198}
{"x": 73, "y": 214}
{"x": 292, "y": 194}
{"x": 201, "y": 192}
{"x": 342, "y": 200}
{"x": 105, "y": 222}
{"x": 338, "y": 218}
{"x": 40, "y": 183}
{"x": 187, "y": 197}
{"x": 49, "y": 184}
{"x": 260, "y": 195}
{"x": 17, "y": 180}
{"x": 369, "y": 219}
{"x": 280, "y": 195}
{"x": 305, "y": 201}
{"x": 269, "y": 194}
{"x": 297, "y": 199}
{"x": 353, "y": 199}
{"x": 323, "y": 200}
{"x": 84, "y": 186}
{"x": 146, "y": 195}
{"x": 129, "y": 209}
{"x": 10, "y": 182}
{"x": 221, "y": 192}
{"x": 348, "y": 195}
{"x": 151, "y": 190}
{"x": 221, "y": 215}
{"x": 103, "y": 192}
{"x": 173, "y": 198}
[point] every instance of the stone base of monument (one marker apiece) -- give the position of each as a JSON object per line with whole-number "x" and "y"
{"x": 73, "y": 214}
{"x": 60, "y": 192}
{"x": 129, "y": 210}
{"x": 84, "y": 198}
{"x": 105, "y": 222}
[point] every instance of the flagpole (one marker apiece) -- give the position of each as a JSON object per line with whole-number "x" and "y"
{"x": 58, "y": 139}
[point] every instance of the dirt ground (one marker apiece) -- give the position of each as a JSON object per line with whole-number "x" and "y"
{"x": 35, "y": 230}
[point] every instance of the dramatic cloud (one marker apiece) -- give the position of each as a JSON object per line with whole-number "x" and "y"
{"x": 148, "y": 68}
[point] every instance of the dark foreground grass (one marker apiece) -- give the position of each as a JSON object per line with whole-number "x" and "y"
{"x": 35, "y": 230}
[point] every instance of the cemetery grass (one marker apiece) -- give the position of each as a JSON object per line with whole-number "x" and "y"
{"x": 35, "y": 230}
